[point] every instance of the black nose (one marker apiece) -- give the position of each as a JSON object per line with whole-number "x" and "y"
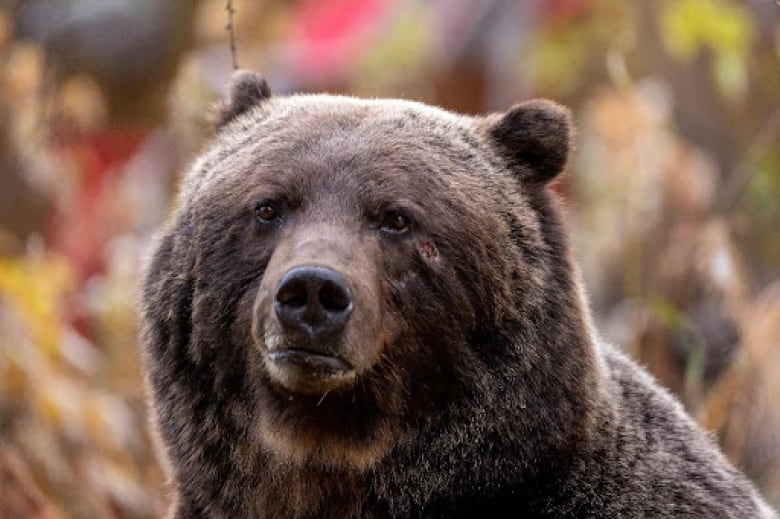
{"x": 313, "y": 300}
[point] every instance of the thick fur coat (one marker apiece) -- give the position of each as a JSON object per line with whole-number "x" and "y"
{"x": 445, "y": 365}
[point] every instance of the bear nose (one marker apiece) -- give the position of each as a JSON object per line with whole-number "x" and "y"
{"x": 313, "y": 300}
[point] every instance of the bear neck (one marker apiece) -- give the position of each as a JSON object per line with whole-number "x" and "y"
{"x": 561, "y": 365}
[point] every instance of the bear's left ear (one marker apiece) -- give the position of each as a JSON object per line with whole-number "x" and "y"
{"x": 246, "y": 90}
{"x": 535, "y": 137}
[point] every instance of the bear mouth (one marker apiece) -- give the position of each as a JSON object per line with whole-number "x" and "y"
{"x": 309, "y": 360}
{"x": 306, "y": 371}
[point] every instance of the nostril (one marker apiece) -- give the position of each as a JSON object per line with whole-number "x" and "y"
{"x": 293, "y": 293}
{"x": 333, "y": 297}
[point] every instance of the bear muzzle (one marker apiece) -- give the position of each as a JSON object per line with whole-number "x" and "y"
{"x": 318, "y": 311}
{"x": 312, "y": 305}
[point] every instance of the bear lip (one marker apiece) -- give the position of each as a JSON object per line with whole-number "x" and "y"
{"x": 317, "y": 362}
{"x": 305, "y": 371}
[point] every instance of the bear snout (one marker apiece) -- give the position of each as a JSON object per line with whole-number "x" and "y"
{"x": 317, "y": 313}
{"x": 312, "y": 305}
{"x": 314, "y": 302}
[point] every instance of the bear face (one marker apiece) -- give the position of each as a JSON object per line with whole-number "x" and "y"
{"x": 328, "y": 249}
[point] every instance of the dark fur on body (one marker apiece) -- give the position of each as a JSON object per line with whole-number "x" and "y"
{"x": 484, "y": 391}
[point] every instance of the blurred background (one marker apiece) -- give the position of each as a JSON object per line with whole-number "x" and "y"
{"x": 673, "y": 194}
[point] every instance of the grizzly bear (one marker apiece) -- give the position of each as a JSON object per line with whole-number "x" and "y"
{"x": 369, "y": 308}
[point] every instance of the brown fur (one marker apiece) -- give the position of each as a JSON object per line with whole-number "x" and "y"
{"x": 475, "y": 382}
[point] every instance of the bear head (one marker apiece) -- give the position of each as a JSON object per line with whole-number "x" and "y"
{"x": 339, "y": 272}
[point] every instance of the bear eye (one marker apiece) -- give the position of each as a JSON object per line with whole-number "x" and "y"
{"x": 266, "y": 212}
{"x": 396, "y": 223}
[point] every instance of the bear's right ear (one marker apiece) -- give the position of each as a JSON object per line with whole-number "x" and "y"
{"x": 535, "y": 137}
{"x": 246, "y": 90}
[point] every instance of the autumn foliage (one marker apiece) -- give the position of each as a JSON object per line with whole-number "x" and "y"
{"x": 673, "y": 193}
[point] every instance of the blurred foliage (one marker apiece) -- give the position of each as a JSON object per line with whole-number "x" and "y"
{"x": 690, "y": 26}
{"x": 674, "y": 193}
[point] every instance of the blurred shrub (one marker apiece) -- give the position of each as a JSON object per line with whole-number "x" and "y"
{"x": 673, "y": 192}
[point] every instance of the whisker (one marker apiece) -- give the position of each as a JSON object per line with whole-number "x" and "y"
{"x": 323, "y": 397}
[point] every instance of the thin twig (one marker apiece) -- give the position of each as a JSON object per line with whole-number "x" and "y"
{"x": 231, "y": 32}
{"x": 743, "y": 172}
